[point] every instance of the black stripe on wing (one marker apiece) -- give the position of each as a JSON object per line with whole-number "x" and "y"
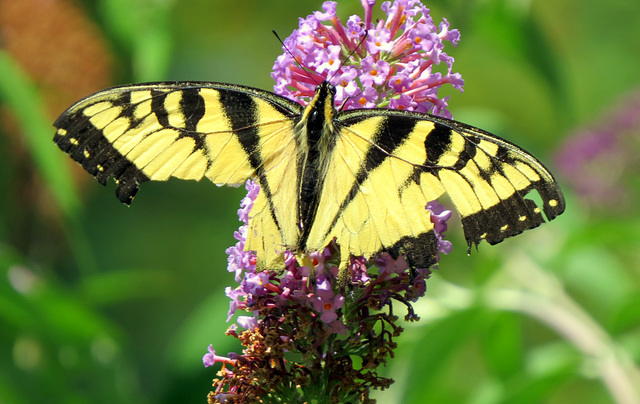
{"x": 390, "y": 135}
{"x": 242, "y": 113}
{"x": 87, "y": 145}
{"x": 511, "y": 215}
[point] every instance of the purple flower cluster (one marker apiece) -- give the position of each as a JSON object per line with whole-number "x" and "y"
{"x": 304, "y": 326}
{"x": 296, "y": 283}
{"x": 239, "y": 259}
{"x": 393, "y": 66}
{"x": 293, "y": 285}
{"x": 304, "y": 305}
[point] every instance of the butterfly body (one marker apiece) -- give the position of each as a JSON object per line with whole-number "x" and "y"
{"x": 360, "y": 177}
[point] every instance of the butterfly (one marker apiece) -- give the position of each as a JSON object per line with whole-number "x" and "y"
{"x": 361, "y": 177}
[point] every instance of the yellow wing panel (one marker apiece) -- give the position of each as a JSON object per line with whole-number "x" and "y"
{"x": 273, "y": 219}
{"x": 488, "y": 179}
{"x": 388, "y": 165}
{"x": 369, "y": 202}
{"x": 153, "y": 132}
{"x": 165, "y": 164}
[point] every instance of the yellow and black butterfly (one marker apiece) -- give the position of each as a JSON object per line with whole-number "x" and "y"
{"x": 361, "y": 177}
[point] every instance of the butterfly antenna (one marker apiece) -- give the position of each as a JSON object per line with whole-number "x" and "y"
{"x": 304, "y": 68}
{"x": 364, "y": 38}
{"x": 342, "y": 63}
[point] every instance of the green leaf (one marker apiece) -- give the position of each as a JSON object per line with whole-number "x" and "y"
{"x": 120, "y": 285}
{"x": 56, "y": 344}
{"x": 143, "y": 28}
{"x": 440, "y": 341}
{"x": 513, "y": 28}
{"x": 627, "y": 316}
{"x": 502, "y": 345}
{"x": 19, "y": 93}
{"x": 537, "y": 389}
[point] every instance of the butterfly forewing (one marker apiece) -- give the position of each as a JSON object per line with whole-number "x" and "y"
{"x": 369, "y": 202}
{"x": 192, "y": 130}
{"x": 486, "y": 177}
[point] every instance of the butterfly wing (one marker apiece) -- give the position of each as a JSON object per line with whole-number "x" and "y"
{"x": 488, "y": 179}
{"x": 364, "y": 203}
{"x": 383, "y": 168}
{"x": 191, "y": 130}
{"x": 387, "y": 165}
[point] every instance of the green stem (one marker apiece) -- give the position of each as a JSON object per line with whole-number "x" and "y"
{"x": 547, "y": 301}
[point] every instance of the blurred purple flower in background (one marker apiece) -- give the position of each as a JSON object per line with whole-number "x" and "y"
{"x": 594, "y": 160}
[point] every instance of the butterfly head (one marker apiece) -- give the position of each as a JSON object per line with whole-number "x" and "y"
{"x": 325, "y": 96}
{"x": 320, "y": 111}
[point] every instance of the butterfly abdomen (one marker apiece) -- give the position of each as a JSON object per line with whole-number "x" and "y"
{"x": 316, "y": 136}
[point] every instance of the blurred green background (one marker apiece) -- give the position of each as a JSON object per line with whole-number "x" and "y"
{"x": 100, "y": 303}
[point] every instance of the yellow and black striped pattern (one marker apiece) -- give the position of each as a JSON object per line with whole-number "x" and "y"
{"x": 361, "y": 177}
